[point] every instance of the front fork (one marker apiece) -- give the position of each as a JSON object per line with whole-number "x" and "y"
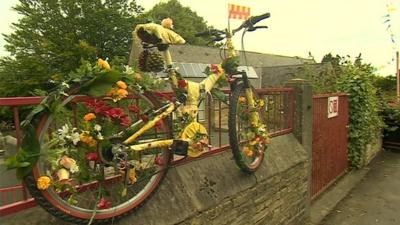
{"x": 250, "y": 99}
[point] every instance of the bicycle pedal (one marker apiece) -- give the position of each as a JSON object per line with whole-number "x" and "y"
{"x": 180, "y": 147}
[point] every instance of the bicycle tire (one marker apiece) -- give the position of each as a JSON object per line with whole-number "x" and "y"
{"x": 60, "y": 208}
{"x": 237, "y": 143}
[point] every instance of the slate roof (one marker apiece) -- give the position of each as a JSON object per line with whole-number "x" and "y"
{"x": 207, "y": 55}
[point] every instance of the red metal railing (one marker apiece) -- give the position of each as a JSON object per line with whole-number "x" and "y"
{"x": 329, "y": 148}
{"x": 279, "y": 112}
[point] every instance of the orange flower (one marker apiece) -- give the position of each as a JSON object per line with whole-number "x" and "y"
{"x": 122, "y": 93}
{"x": 89, "y": 117}
{"x": 122, "y": 84}
{"x": 112, "y": 92}
{"x": 167, "y": 23}
{"x": 87, "y": 139}
{"x": 43, "y": 182}
{"x": 67, "y": 162}
{"x": 103, "y": 64}
{"x": 242, "y": 99}
{"x": 248, "y": 152}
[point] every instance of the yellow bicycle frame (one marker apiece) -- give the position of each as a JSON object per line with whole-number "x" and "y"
{"x": 207, "y": 84}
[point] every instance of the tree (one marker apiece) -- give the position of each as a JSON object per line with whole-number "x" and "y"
{"x": 53, "y": 36}
{"x": 186, "y": 22}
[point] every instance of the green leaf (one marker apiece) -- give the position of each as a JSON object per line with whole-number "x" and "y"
{"x": 230, "y": 65}
{"x": 99, "y": 89}
{"x": 219, "y": 95}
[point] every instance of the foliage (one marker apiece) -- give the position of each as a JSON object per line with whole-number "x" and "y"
{"x": 322, "y": 78}
{"x": 186, "y": 22}
{"x": 53, "y": 36}
{"x": 386, "y": 85}
{"x": 365, "y": 122}
{"x": 390, "y": 113}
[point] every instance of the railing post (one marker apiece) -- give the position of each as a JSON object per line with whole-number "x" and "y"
{"x": 303, "y": 122}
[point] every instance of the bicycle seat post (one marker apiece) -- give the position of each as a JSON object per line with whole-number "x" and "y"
{"x": 171, "y": 71}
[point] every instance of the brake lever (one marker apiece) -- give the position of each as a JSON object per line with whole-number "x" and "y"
{"x": 217, "y": 38}
{"x": 253, "y": 28}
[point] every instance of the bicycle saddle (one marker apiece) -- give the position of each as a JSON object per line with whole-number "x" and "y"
{"x": 156, "y": 34}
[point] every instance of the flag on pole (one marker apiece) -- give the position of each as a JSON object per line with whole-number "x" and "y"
{"x": 238, "y": 12}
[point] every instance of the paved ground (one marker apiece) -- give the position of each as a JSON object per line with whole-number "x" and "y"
{"x": 376, "y": 199}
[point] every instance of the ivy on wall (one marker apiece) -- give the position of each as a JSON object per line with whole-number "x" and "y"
{"x": 365, "y": 123}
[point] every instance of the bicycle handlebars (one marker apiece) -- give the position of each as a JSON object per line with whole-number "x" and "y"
{"x": 249, "y": 24}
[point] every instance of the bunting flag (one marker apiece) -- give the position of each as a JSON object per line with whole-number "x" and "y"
{"x": 387, "y": 20}
{"x": 238, "y": 12}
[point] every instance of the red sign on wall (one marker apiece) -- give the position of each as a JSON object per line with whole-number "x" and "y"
{"x": 333, "y": 106}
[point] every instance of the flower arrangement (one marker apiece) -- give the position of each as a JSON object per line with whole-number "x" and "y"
{"x": 254, "y": 131}
{"x": 73, "y": 154}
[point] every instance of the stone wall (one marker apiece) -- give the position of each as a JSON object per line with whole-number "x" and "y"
{"x": 214, "y": 191}
{"x": 372, "y": 149}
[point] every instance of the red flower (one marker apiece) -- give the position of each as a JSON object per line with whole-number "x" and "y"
{"x": 134, "y": 108}
{"x": 166, "y": 96}
{"x": 215, "y": 69}
{"x": 115, "y": 113}
{"x": 126, "y": 121}
{"x": 144, "y": 118}
{"x": 104, "y": 204}
{"x": 98, "y": 106}
{"x": 92, "y": 156}
{"x": 159, "y": 161}
{"x": 231, "y": 80}
{"x": 182, "y": 83}
{"x": 159, "y": 124}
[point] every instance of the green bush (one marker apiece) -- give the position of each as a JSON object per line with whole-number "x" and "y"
{"x": 365, "y": 122}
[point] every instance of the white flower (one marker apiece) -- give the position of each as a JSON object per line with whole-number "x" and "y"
{"x": 97, "y": 127}
{"x": 100, "y": 136}
{"x": 129, "y": 70}
{"x": 64, "y": 130}
{"x": 74, "y": 168}
{"x": 63, "y": 93}
{"x": 75, "y": 138}
{"x": 64, "y": 84}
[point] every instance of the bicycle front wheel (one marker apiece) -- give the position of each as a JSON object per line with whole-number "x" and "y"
{"x": 87, "y": 180}
{"x": 247, "y": 130}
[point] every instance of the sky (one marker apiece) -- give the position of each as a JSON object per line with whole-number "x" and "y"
{"x": 344, "y": 27}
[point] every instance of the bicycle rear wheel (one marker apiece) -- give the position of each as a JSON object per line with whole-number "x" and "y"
{"x": 247, "y": 139}
{"x": 105, "y": 186}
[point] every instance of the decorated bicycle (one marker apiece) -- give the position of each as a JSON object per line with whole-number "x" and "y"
{"x": 98, "y": 147}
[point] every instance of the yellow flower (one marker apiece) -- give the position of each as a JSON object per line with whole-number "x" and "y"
{"x": 242, "y": 99}
{"x": 87, "y": 139}
{"x": 43, "y": 182}
{"x": 103, "y": 64}
{"x": 62, "y": 174}
{"x": 132, "y": 175}
{"x": 122, "y": 84}
{"x": 137, "y": 76}
{"x": 89, "y": 117}
{"x": 261, "y": 103}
